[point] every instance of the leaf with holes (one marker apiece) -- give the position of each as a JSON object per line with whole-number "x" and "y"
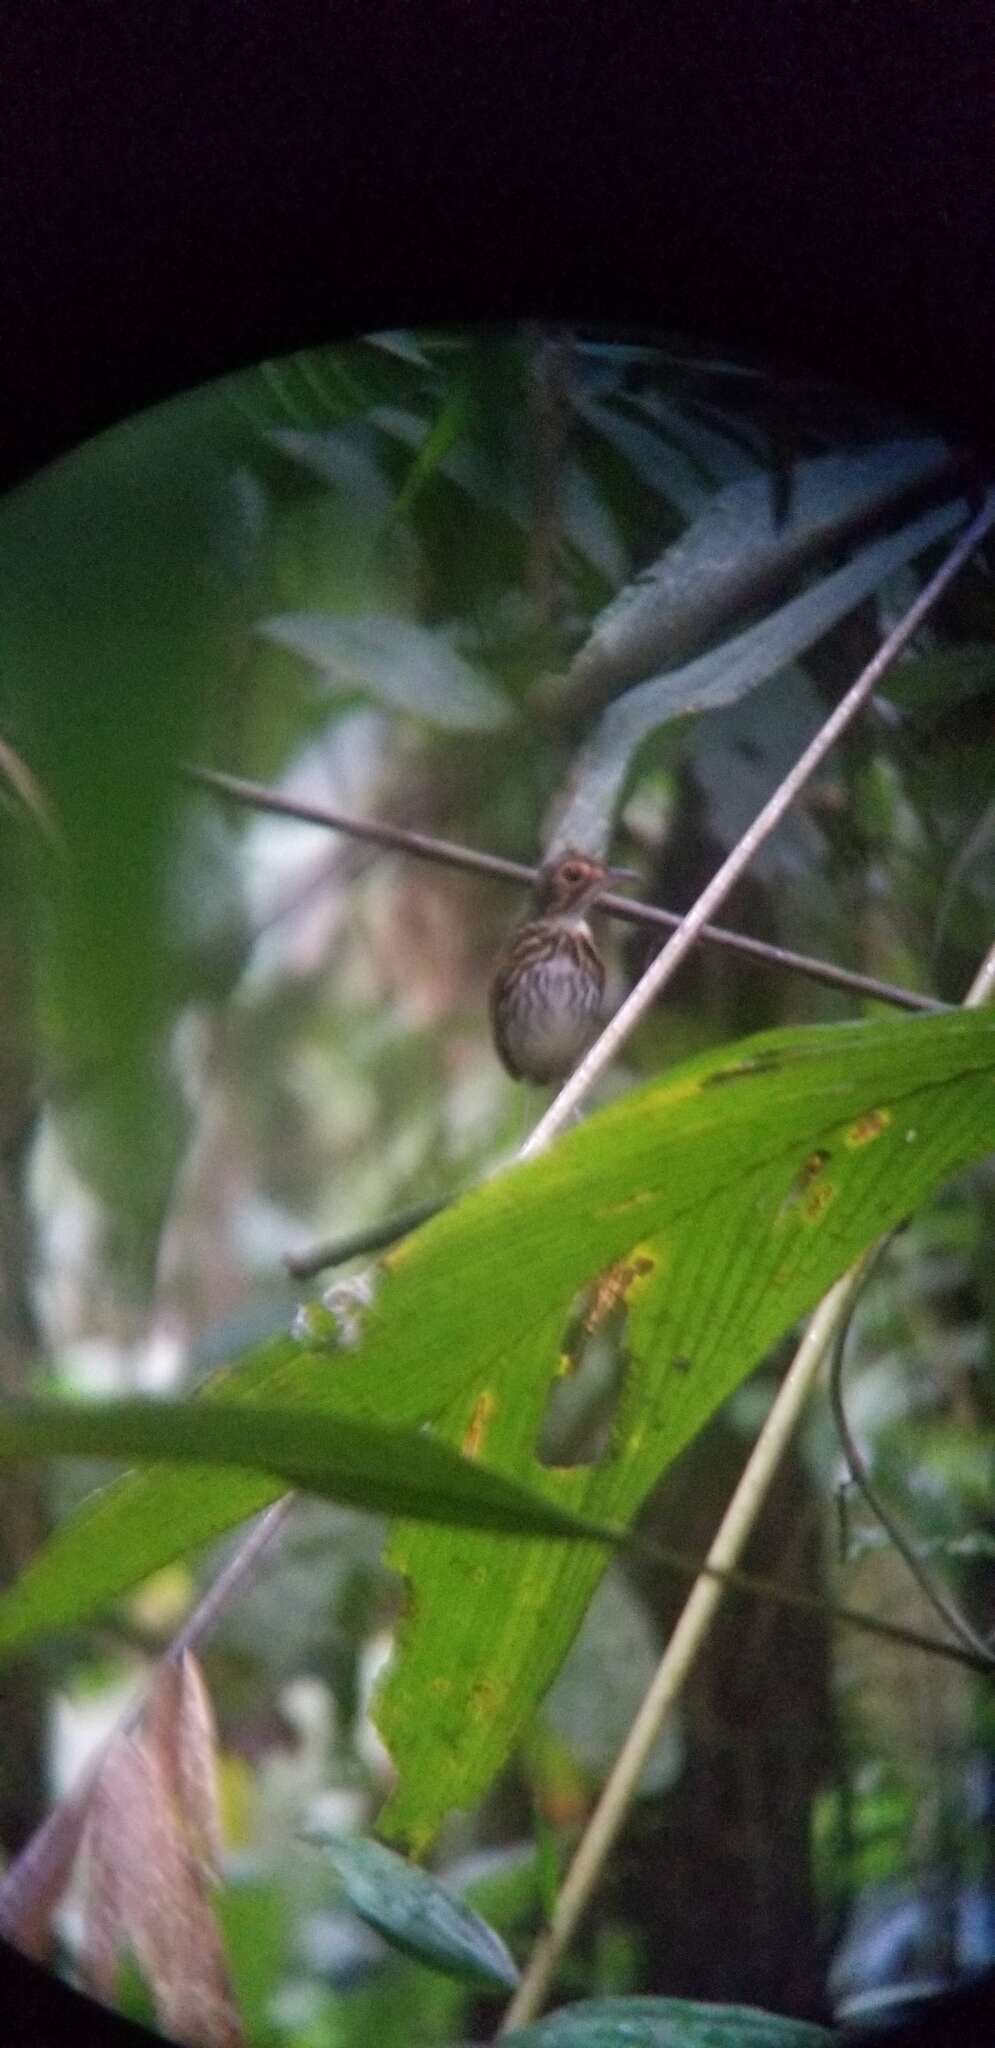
{"x": 694, "y": 1220}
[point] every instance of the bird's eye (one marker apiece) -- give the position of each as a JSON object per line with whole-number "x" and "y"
{"x": 572, "y": 871}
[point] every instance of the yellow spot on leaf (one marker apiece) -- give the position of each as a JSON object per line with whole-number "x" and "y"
{"x": 484, "y": 1411}
{"x": 867, "y": 1127}
{"x": 817, "y": 1201}
{"x": 618, "y": 1286}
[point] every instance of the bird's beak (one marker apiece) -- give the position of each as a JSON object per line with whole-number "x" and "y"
{"x": 613, "y": 875}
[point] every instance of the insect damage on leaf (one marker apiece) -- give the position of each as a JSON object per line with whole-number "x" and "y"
{"x": 615, "y": 1287}
{"x": 580, "y": 1420}
{"x": 810, "y": 1192}
{"x": 484, "y": 1410}
{"x": 867, "y": 1128}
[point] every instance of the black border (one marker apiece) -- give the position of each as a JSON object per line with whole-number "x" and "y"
{"x": 190, "y": 188}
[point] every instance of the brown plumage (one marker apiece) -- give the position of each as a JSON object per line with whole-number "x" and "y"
{"x": 549, "y": 984}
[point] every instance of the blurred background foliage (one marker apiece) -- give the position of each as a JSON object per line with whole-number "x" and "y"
{"x": 375, "y": 576}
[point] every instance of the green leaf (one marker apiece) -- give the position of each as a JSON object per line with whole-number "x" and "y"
{"x": 403, "y": 665}
{"x": 360, "y": 1464}
{"x": 448, "y": 427}
{"x": 736, "y": 556}
{"x": 117, "y": 623}
{"x": 414, "y": 1911}
{"x": 710, "y": 1210}
{"x": 666, "y": 2023}
{"x": 728, "y": 673}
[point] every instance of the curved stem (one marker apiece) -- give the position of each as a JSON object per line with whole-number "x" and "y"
{"x": 904, "y": 1543}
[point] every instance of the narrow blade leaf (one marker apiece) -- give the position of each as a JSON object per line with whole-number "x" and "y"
{"x": 735, "y": 556}
{"x": 728, "y": 673}
{"x": 359, "y": 1464}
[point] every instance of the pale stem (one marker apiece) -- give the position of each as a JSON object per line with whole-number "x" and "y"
{"x": 681, "y": 1651}
{"x": 701, "y": 1606}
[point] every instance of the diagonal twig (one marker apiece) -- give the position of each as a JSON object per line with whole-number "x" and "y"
{"x": 938, "y": 1598}
{"x": 335, "y": 1251}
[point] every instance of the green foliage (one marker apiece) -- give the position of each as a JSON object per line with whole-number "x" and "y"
{"x": 796, "y": 1158}
{"x": 425, "y": 527}
{"x": 359, "y": 1464}
{"x": 666, "y": 2023}
{"x": 414, "y": 1912}
{"x": 252, "y": 1913}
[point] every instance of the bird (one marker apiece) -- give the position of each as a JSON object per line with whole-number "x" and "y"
{"x": 548, "y": 987}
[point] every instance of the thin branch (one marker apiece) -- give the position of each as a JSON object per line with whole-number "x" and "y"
{"x": 664, "y": 967}
{"x": 699, "y": 1611}
{"x": 980, "y": 991}
{"x": 761, "y": 1588}
{"x": 231, "y": 1579}
{"x": 335, "y": 1251}
{"x": 422, "y": 846}
{"x": 904, "y": 1543}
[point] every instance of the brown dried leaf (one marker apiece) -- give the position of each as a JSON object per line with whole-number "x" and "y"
{"x": 103, "y": 1918}
{"x": 148, "y": 1890}
{"x": 180, "y": 1731}
{"x": 34, "y": 1884}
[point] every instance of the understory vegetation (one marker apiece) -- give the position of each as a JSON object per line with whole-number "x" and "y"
{"x": 281, "y": 660}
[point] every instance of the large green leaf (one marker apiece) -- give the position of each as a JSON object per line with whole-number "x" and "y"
{"x": 716, "y": 1205}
